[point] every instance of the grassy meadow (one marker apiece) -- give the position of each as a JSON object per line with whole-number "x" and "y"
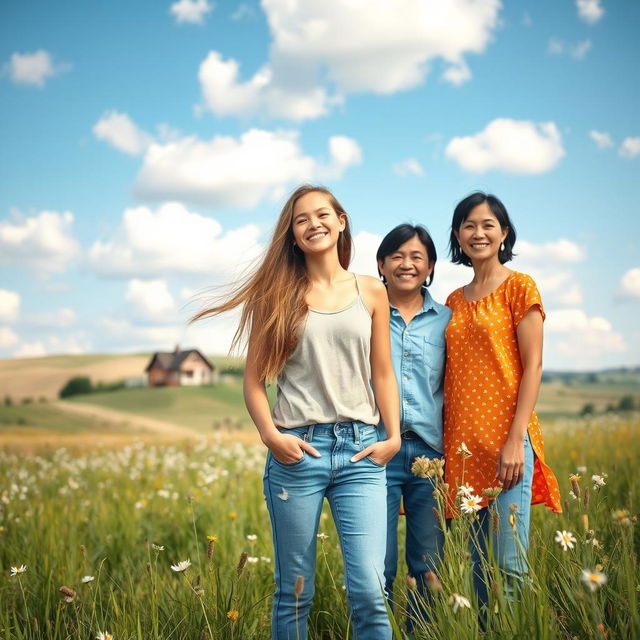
{"x": 91, "y": 525}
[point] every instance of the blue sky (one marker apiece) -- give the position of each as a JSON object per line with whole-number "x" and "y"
{"x": 147, "y": 148}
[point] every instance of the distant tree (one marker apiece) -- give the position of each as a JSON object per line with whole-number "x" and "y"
{"x": 592, "y": 378}
{"x": 76, "y": 386}
{"x": 626, "y": 403}
{"x": 610, "y": 408}
{"x": 27, "y": 400}
{"x": 8, "y": 401}
{"x": 588, "y": 409}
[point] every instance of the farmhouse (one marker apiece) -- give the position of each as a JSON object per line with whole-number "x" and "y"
{"x": 179, "y": 368}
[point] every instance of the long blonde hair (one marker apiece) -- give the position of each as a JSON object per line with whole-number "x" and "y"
{"x": 274, "y": 292}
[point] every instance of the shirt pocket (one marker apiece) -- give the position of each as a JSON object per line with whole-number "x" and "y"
{"x": 433, "y": 353}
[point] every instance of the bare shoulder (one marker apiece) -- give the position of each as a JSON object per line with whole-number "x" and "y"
{"x": 372, "y": 285}
{"x": 373, "y": 292}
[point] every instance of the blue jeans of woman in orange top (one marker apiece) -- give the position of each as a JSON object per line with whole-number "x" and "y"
{"x": 357, "y": 494}
{"x": 510, "y": 543}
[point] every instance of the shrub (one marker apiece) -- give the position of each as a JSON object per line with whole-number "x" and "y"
{"x": 76, "y": 386}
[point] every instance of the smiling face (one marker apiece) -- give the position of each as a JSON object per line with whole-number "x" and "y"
{"x": 407, "y": 268}
{"x": 480, "y": 235}
{"x": 315, "y": 224}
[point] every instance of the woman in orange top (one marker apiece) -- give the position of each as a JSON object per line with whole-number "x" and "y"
{"x": 494, "y": 364}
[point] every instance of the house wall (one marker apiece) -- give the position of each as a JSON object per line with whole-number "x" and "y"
{"x": 194, "y": 372}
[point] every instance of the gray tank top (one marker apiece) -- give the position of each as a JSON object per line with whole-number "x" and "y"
{"x": 327, "y": 378}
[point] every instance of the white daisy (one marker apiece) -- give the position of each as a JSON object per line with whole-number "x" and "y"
{"x": 181, "y": 566}
{"x": 565, "y": 539}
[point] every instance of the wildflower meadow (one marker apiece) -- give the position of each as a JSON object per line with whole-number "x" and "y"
{"x": 150, "y": 542}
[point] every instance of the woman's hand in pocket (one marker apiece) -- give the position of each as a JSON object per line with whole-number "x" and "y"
{"x": 380, "y": 452}
{"x": 288, "y": 449}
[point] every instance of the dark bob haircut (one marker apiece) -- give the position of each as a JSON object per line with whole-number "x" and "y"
{"x": 401, "y": 234}
{"x": 461, "y": 213}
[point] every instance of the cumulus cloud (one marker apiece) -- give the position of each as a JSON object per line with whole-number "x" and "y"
{"x": 225, "y": 95}
{"x": 9, "y": 306}
{"x": 550, "y": 264}
{"x": 172, "y": 240}
{"x": 512, "y": 146}
{"x": 391, "y": 50}
{"x": 7, "y": 338}
{"x": 56, "y": 319}
{"x": 408, "y": 167}
{"x": 590, "y": 10}
{"x": 151, "y": 301}
{"x": 33, "y": 69}
{"x": 579, "y": 338}
{"x": 557, "y": 251}
{"x": 30, "y": 350}
{"x": 601, "y": 138}
{"x": 121, "y": 132}
{"x": 630, "y": 147}
{"x": 43, "y": 243}
{"x": 630, "y": 283}
{"x": 242, "y": 172}
{"x": 190, "y": 11}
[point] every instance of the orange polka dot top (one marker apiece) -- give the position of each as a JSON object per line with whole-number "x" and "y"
{"x": 481, "y": 384}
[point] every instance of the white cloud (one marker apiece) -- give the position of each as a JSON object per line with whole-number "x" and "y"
{"x": 601, "y": 138}
{"x": 33, "y": 68}
{"x": 577, "y": 338}
{"x": 555, "y": 47}
{"x": 9, "y": 306}
{"x": 224, "y": 95}
{"x": 56, "y": 319}
{"x": 73, "y": 344}
{"x": 243, "y": 11}
{"x": 151, "y": 300}
{"x": 7, "y": 338}
{"x": 30, "y": 350}
{"x": 173, "y": 240}
{"x": 630, "y": 283}
{"x": 190, "y": 11}
{"x": 121, "y": 132}
{"x": 365, "y": 246}
{"x": 549, "y": 264}
{"x": 590, "y": 10}
{"x": 211, "y": 336}
{"x": 43, "y": 243}
{"x": 408, "y": 167}
{"x": 630, "y": 147}
{"x": 557, "y": 251}
{"x": 513, "y": 146}
{"x": 226, "y": 171}
{"x": 579, "y": 50}
{"x": 359, "y": 46}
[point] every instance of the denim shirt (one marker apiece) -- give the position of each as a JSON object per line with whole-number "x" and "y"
{"x": 418, "y": 355}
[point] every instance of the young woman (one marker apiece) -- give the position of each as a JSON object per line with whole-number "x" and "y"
{"x": 406, "y": 261}
{"x": 494, "y": 365}
{"x": 323, "y": 334}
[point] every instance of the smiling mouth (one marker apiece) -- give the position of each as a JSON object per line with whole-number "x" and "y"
{"x": 405, "y": 276}
{"x": 479, "y": 245}
{"x": 317, "y": 236}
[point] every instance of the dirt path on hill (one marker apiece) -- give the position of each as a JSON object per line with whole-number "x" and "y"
{"x": 126, "y": 421}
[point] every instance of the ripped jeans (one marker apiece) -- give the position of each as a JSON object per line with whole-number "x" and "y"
{"x": 357, "y": 494}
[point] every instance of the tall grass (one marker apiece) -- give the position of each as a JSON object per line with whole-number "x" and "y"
{"x": 125, "y": 516}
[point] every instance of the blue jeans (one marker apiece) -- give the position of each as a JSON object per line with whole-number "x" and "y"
{"x": 424, "y": 537}
{"x": 357, "y": 496}
{"x": 510, "y": 544}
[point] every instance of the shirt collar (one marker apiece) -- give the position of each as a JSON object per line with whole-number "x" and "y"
{"x": 427, "y": 305}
